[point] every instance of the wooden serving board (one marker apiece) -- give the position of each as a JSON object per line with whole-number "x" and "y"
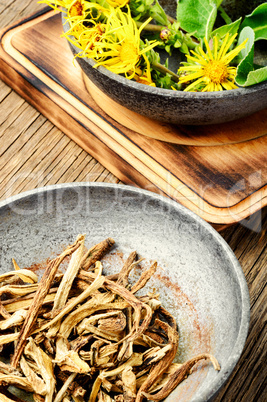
{"x": 217, "y": 171}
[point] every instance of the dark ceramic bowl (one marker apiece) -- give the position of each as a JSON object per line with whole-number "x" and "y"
{"x": 198, "y": 278}
{"x": 176, "y": 107}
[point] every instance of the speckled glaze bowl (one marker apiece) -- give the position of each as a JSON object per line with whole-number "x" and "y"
{"x": 178, "y": 107}
{"x": 198, "y": 278}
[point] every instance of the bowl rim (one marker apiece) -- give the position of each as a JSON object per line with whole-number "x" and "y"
{"x": 212, "y": 388}
{"x": 233, "y": 93}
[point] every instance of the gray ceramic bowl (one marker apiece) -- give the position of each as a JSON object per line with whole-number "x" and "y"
{"x": 176, "y": 107}
{"x": 199, "y": 279}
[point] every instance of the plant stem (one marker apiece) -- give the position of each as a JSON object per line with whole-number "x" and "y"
{"x": 190, "y": 41}
{"x": 151, "y": 27}
{"x": 224, "y": 15}
{"x": 171, "y": 19}
{"x": 162, "y": 69}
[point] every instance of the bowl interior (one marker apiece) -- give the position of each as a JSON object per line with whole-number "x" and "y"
{"x": 199, "y": 279}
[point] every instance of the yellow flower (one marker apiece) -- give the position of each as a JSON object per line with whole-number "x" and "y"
{"x": 119, "y": 49}
{"x": 58, "y": 3}
{"x": 84, "y": 36}
{"x": 144, "y": 76}
{"x": 88, "y": 39}
{"x": 84, "y": 11}
{"x": 76, "y": 9}
{"x": 118, "y": 3}
{"x": 211, "y": 70}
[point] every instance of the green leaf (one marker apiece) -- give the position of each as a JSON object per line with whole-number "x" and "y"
{"x": 184, "y": 48}
{"x": 256, "y": 76}
{"x": 210, "y": 22}
{"x": 247, "y": 54}
{"x": 197, "y": 16}
{"x": 257, "y": 20}
{"x": 158, "y": 14}
{"x": 229, "y": 28}
{"x": 141, "y": 9}
{"x": 177, "y": 44}
{"x": 246, "y": 33}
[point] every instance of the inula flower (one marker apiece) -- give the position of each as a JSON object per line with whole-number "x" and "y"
{"x": 88, "y": 38}
{"x": 118, "y": 3}
{"x": 120, "y": 49}
{"x": 211, "y": 71}
{"x": 64, "y": 3}
{"x": 144, "y": 76}
{"x": 77, "y": 10}
{"x": 86, "y": 28}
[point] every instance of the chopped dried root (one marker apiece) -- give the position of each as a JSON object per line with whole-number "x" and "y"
{"x": 37, "y": 301}
{"x": 82, "y": 336}
{"x": 96, "y": 253}
{"x": 179, "y": 375}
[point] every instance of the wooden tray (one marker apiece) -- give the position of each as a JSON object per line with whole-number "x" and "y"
{"x": 219, "y": 171}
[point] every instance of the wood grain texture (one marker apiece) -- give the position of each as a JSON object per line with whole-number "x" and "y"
{"x": 223, "y": 184}
{"x": 34, "y": 153}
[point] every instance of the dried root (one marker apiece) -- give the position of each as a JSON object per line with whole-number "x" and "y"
{"x": 83, "y": 336}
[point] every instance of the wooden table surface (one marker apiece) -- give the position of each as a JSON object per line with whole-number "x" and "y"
{"x": 35, "y": 153}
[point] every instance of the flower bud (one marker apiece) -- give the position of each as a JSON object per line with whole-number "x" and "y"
{"x": 165, "y": 34}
